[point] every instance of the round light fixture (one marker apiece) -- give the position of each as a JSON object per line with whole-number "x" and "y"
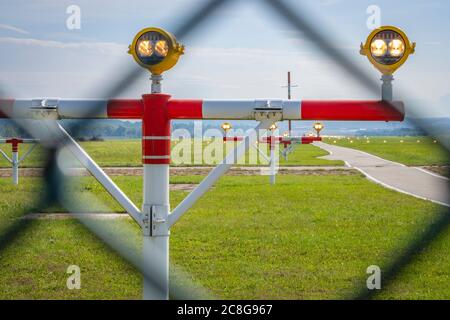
{"x": 318, "y": 126}
{"x": 226, "y": 126}
{"x": 387, "y": 48}
{"x": 156, "y": 50}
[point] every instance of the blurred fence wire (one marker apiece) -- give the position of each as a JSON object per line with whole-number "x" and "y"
{"x": 55, "y": 179}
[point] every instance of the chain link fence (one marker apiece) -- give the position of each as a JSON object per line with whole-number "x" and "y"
{"x": 55, "y": 179}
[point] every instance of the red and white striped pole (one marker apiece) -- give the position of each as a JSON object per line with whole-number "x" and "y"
{"x": 156, "y": 207}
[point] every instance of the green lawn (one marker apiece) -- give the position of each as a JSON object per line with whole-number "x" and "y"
{"x": 127, "y": 153}
{"x": 413, "y": 151}
{"x": 306, "y": 237}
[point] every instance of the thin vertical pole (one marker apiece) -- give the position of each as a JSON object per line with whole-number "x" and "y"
{"x": 15, "y": 166}
{"x": 272, "y": 165}
{"x": 289, "y": 98}
{"x": 272, "y": 157}
{"x": 289, "y": 85}
{"x": 386, "y": 88}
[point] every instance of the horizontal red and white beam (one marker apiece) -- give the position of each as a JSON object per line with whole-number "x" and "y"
{"x": 345, "y": 110}
{"x": 18, "y": 140}
{"x": 232, "y": 139}
{"x": 289, "y": 140}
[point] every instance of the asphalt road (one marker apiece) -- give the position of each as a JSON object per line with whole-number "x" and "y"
{"x": 410, "y": 180}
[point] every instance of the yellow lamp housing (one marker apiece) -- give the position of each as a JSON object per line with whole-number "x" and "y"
{"x": 156, "y": 50}
{"x": 387, "y": 48}
{"x": 226, "y": 126}
{"x": 318, "y": 126}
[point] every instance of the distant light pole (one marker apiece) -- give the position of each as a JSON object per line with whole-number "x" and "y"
{"x": 15, "y": 160}
{"x": 318, "y": 126}
{"x": 226, "y": 126}
{"x": 272, "y": 144}
{"x": 289, "y": 86}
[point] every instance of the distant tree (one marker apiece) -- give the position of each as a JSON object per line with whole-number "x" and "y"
{"x": 120, "y": 132}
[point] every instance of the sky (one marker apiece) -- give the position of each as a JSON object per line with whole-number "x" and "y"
{"x": 243, "y": 51}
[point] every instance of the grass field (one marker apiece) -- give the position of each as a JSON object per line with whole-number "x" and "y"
{"x": 306, "y": 237}
{"x": 127, "y": 153}
{"x": 409, "y": 152}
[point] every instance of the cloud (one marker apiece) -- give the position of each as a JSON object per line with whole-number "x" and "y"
{"x": 244, "y": 53}
{"x": 329, "y": 2}
{"x": 12, "y": 28}
{"x": 102, "y": 47}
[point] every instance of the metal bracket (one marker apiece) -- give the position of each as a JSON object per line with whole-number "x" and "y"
{"x": 272, "y": 111}
{"x": 386, "y": 88}
{"x": 155, "y": 223}
{"x": 44, "y": 109}
{"x": 269, "y": 104}
{"x": 156, "y": 83}
{"x": 268, "y": 110}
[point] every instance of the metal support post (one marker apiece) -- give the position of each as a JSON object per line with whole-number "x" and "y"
{"x": 386, "y": 87}
{"x": 156, "y": 231}
{"x": 156, "y": 83}
{"x": 156, "y": 207}
{"x": 15, "y": 161}
{"x": 272, "y": 159}
{"x": 15, "y": 166}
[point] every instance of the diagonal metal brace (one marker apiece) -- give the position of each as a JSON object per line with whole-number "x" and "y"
{"x": 27, "y": 153}
{"x": 83, "y": 157}
{"x": 5, "y": 156}
{"x": 267, "y": 119}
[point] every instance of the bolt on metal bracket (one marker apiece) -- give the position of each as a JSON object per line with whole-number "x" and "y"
{"x": 155, "y": 223}
{"x": 44, "y": 109}
{"x": 269, "y": 104}
{"x": 271, "y": 110}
